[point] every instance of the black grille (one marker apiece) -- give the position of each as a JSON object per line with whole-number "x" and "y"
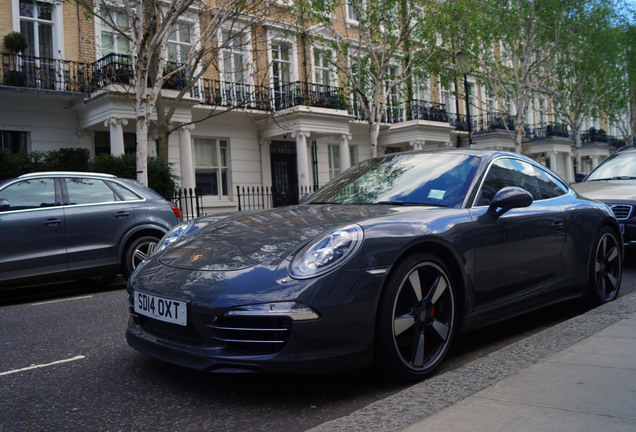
{"x": 184, "y": 334}
{"x": 622, "y": 211}
{"x": 258, "y": 334}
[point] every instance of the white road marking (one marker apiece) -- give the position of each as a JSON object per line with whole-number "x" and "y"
{"x": 61, "y": 300}
{"x": 80, "y": 357}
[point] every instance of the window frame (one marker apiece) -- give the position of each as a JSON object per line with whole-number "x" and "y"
{"x": 57, "y": 23}
{"x": 536, "y": 167}
{"x": 218, "y": 168}
{"x": 24, "y": 135}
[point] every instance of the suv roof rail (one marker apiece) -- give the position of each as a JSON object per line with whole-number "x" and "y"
{"x": 67, "y": 173}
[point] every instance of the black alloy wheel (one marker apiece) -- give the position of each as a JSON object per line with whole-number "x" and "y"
{"x": 137, "y": 251}
{"x": 606, "y": 267}
{"x": 416, "y": 317}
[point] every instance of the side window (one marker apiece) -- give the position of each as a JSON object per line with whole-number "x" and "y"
{"x": 550, "y": 187}
{"x": 508, "y": 172}
{"x": 88, "y": 191}
{"x": 30, "y": 194}
{"x": 126, "y": 194}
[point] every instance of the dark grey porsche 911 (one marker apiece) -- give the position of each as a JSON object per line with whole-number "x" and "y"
{"x": 385, "y": 264}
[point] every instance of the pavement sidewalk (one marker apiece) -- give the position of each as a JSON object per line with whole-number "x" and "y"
{"x": 579, "y": 375}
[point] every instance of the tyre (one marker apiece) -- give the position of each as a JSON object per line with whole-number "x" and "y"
{"x": 416, "y": 317}
{"x": 137, "y": 250}
{"x": 606, "y": 267}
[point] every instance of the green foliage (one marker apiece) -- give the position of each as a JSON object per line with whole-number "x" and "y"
{"x": 160, "y": 174}
{"x": 15, "y": 42}
{"x": 67, "y": 159}
{"x": 160, "y": 177}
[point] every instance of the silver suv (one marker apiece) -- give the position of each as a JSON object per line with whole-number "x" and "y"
{"x": 614, "y": 183}
{"x": 67, "y": 225}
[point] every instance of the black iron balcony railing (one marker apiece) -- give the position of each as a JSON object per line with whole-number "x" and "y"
{"x": 308, "y": 94}
{"x": 113, "y": 69}
{"x": 550, "y": 130}
{"x": 426, "y": 110}
{"x": 235, "y": 95}
{"x": 242, "y": 95}
{"x": 492, "y": 121}
{"x": 600, "y": 136}
{"x": 414, "y": 110}
{"x": 458, "y": 121}
{"x": 19, "y": 70}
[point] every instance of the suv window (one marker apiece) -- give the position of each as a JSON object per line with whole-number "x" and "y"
{"x": 125, "y": 194}
{"x": 27, "y": 194}
{"x": 89, "y": 191}
{"x": 511, "y": 172}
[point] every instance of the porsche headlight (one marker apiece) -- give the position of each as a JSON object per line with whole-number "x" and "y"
{"x": 175, "y": 234}
{"x": 326, "y": 253}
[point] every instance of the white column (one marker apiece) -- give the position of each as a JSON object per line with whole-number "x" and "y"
{"x": 302, "y": 156}
{"x": 594, "y": 162}
{"x": 266, "y": 162}
{"x": 116, "y": 129}
{"x": 569, "y": 168}
{"x": 552, "y": 156}
{"x": 345, "y": 158}
{"x": 186, "y": 160}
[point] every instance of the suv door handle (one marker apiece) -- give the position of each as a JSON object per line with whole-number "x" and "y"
{"x": 122, "y": 214}
{"x": 53, "y": 222}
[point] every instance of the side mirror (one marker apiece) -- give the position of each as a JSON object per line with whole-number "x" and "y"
{"x": 509, "y": 198}
{"x": 4, "y": 204}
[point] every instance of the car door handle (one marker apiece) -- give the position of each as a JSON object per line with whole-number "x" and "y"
{"x": 53, "y": 222}
{"x": 122, "y": 214}
{"x": 558, "y": 225}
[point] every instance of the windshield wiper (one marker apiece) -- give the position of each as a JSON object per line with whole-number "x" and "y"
{"x": 615, "y": 178}
{"x": 407, "y": 203}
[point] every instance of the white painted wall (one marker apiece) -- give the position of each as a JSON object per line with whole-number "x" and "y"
{"x": 52, "y": 125}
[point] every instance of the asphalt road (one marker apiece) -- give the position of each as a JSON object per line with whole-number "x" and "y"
{"x": 65, "y": 366}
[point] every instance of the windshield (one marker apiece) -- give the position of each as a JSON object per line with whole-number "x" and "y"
{"x": 620, "y": 166}
{"x": 440, "y": 179}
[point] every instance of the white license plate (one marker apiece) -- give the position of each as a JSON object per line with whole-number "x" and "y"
{"x": 162, "y": 309}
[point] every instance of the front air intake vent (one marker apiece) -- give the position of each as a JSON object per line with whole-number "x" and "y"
{"x": 622, "y": 211}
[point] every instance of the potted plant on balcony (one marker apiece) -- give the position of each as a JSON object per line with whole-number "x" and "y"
{"x": 16, "y": 43}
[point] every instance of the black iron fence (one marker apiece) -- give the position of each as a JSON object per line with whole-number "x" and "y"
{"x": 190, "y": 202}
{"x": 264, "y": 197}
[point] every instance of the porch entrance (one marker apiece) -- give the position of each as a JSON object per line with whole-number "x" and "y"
{"x": 284, "y": 173}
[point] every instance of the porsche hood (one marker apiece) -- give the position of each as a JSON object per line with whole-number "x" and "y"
{"x": 261, "y": 238}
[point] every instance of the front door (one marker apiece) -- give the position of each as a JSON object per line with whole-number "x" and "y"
{"x": 32, "y": 230}
{"x": 284, "y": 173}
